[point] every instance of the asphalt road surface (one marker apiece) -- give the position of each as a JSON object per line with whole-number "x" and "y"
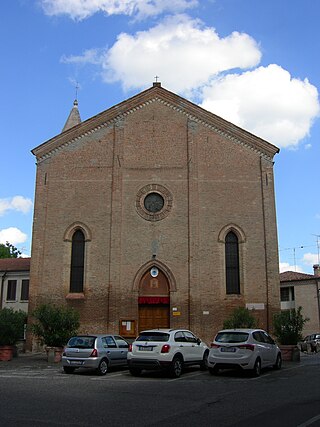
{"x": 43, "y": 395}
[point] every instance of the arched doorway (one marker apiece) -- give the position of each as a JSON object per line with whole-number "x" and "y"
{"x": 154, "y": 300}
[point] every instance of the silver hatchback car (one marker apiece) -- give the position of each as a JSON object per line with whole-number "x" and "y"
{"x": 251, "y": 349}
{"x": 96, "y": 351}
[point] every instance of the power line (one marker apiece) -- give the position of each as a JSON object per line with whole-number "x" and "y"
{"x": 293, "y": 249}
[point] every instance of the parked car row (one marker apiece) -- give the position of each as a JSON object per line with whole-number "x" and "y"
{"x": 311, "y": 342}
{"x": 172, "y": 350}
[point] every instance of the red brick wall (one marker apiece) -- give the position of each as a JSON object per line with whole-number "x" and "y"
{"x": 214, "y": 182}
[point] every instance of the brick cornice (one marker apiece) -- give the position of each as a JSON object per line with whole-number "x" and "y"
{"x": 156, "y": 94}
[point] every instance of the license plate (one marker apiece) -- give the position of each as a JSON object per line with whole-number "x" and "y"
{"x": 228, "y": 349}
{"x": 75, "y": 362}
{"x": 145, "y": 348}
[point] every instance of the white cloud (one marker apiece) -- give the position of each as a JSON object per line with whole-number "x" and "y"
{"x": 285, "y": 266}
{"x": 310, "y": 259}
{"x": 89, "y": 56}
{"x": 12, "y": 235}
{"x": 184, "y": 53}
{"x": 17, "y": 203}
{"x": 24, "y": 255}
{"x": 191, "y": 58}
{"x": 82, "y": 9}
{"x": 266, "y": 101}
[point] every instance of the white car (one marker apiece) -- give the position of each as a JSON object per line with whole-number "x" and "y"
{"x": 252, "y": 349}
{"x": 170, "y": 349}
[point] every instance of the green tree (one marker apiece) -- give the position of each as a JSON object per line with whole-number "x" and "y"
{"x": 11, "y": 325}
{"x": 288, "y": 326}
{"x": 8, "y": 251}
{"x": 55, "y": 325}
{"x": 241, "y": 317}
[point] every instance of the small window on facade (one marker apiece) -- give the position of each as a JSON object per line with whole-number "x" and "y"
{"x": 232, "y": 264}
{"x": 11, "y": 290}
{"x": 284, "y": 294}
{"x": 77, "y": 262}
{"x": 287, "y": 294}
{"x": 25, "y": 290}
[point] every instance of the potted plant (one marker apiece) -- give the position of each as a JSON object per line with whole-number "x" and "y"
{"x": 11, "y": 330}
{"x": 54, "y": 326}
{"x": 240, "y": 318}
{"x": 288, "y": 326}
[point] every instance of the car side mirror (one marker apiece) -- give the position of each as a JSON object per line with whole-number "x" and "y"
{"x": 198, "y": 341}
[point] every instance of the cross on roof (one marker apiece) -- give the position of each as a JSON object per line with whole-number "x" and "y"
{"x": 77, "y": 87}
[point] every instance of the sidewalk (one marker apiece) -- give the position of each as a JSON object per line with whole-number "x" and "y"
{"x": 28, "y": 361}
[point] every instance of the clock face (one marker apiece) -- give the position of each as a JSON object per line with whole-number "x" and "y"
{"x": 154, "y": 202}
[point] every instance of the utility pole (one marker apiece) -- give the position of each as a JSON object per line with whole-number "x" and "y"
{"x": 318, "y": 246}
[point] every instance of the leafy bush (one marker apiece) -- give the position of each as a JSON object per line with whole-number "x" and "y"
{"x": 11, "y": 326}
{"x": 55, "y": 325}
{"x": 241, "y": 318}
{"x": 288, "y": 326}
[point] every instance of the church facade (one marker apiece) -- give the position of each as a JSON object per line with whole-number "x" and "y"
{"x": 155, "y": 213}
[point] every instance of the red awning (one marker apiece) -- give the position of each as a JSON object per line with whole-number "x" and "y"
{"x": 154, "y": 300}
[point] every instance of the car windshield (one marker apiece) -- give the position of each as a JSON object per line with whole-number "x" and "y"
{"x": 153, "y": 336}
{"x": 81, "y": 342}
{"x": 232, "y": 337}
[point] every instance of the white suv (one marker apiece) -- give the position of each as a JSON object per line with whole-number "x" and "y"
{"x": 243, "y": 349}
{"x": 169, "y": 349}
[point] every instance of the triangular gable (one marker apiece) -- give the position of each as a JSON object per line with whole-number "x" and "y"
{"x": 157, "y": 94}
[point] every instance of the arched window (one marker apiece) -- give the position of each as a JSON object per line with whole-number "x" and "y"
{"x": 77, "y": 262}
{"x": 232, "y": 263}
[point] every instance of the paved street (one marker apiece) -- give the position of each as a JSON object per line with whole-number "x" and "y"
{"x": 36, "y": 393}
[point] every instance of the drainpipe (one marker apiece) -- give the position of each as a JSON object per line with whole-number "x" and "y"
{"x": 316, "y": 272}
{"x": 1, "y": 288}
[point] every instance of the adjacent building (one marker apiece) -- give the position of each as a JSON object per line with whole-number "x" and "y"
{"x": 14, "y": 283}
{"x": 155, "y": 213}
{"x": 300, "y": 289}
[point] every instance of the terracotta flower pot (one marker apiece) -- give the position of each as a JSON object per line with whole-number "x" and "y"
{"x": 54, "y": 354}
{"x": 290, "y": 353}
{"x": 6, "y": 352}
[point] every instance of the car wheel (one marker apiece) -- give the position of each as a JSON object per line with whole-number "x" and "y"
{"x": 68, "y": 370}
{"x": 214, "y": 371}
{"x": 103, "y": 367}
{"x": 204, "y": 363}
{"x": 257, "y": 368}
{"x": 175, "y": 369}
{"x": 278, "y": 363}
{"x": 136, "y": 372}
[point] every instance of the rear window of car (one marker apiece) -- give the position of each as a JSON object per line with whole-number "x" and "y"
{"x": 232, "y": 337}
{"x": 82, "y": 342}
{"x": 153, "y": 336}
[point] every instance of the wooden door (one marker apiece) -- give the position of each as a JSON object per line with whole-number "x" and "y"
{"x": 154, "y": 316}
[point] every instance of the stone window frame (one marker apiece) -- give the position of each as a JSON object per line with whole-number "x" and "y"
{"x": 232, "y": 263}
{"x": 78, "y": 249}
{"x": 241, "y": 254}
{"x": 12, "y": 285}
{"x": 68, "y": 235}
{"x": 24, "y": 291}
{"x": 149, "y": 189}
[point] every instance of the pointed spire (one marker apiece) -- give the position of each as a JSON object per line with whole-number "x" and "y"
{"x": 74, "y": 117}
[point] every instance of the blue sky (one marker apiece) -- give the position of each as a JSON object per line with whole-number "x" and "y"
{"x": 255, "y": 63}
